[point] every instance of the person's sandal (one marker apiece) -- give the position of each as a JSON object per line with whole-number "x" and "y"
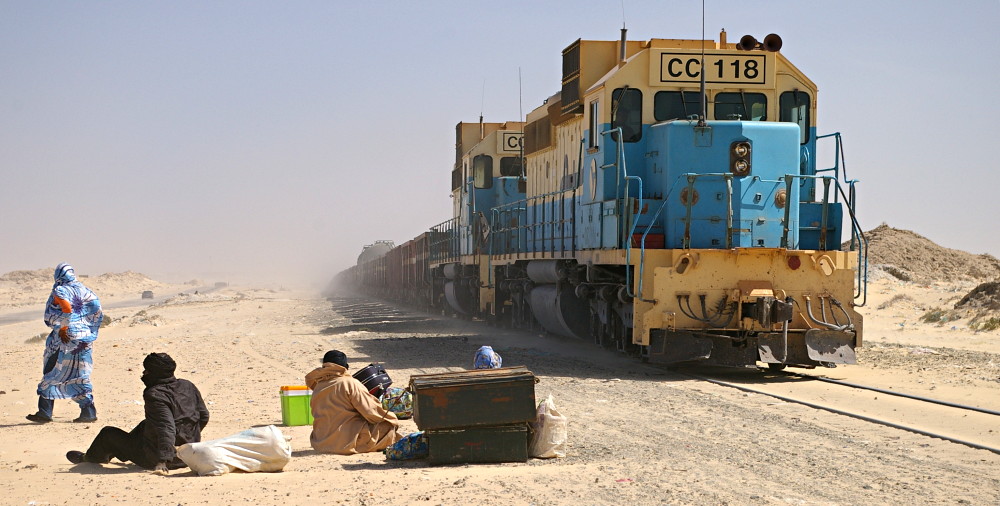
{"x": 85, "y": 420}
{"x": 75, "y": 456}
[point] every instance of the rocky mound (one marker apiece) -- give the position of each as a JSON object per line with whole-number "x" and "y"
{"x": 123, "y": 281}
{"x": 26, "y": 276}
{"x": 912, "y": 257}
{"x": 985, "y": 296}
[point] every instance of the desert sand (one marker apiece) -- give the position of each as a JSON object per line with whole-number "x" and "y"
{"x": 638, "y": 434}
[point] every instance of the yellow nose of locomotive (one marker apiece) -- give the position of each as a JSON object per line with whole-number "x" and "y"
{"x": 768, "y": 304}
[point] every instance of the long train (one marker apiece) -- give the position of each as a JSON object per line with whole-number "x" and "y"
{"x": 665, "y": 202}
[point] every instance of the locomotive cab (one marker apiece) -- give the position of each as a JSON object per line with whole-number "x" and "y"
{"x": 488, "y": 173}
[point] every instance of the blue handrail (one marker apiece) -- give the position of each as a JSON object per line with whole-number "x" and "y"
{"x": 630, "y": 223}
{"x": 520, "y": 208}
{"x": 838, "y": 156}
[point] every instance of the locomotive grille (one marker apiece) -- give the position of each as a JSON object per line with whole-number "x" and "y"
{"x": 571, "y": 80}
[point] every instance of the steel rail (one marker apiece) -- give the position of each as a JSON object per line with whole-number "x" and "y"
{"x": 898, "y": 394}
{"x": 847, "y": 413}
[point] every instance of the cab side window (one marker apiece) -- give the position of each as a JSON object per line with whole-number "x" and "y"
{"x": 793, "y": 106}
{"x": 593, "y": 138}
{"x": 626, "y": 112}
{"x": 482, "y": 171}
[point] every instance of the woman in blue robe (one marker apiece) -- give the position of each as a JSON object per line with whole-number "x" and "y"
{"x": 73, "y": 312}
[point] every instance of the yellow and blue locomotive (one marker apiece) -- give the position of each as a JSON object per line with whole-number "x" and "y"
{"x": 665, "y": 202}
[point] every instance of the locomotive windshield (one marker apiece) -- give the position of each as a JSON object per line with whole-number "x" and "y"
{"x": 745, "y": 106}
{"x": 675, "y": 105}
{"x": 511, "y": 166}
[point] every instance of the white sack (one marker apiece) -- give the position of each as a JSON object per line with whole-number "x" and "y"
{"x": 260, "y": 449}
{"x": 549, "y": 438}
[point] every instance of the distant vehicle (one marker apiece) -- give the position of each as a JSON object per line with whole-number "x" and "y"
{"x": 375, "y": 250}
{"x": 148, "y": 294}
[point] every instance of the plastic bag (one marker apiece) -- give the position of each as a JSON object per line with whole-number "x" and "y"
{"x": 549, "y": 431}
{"x": 399, "y": 401}
{"x": 260, "y": 449}
{"x": 413, "y": 446}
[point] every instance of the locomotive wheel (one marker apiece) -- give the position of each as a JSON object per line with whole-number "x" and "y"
{"x": 559, "y": 311}
{"x": 457, "y": 299}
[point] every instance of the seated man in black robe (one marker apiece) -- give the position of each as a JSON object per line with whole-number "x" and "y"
{"x": 175, "y": 415}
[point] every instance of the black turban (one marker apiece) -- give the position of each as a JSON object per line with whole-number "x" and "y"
{"x": 159, "y": 365}
{"x": 336, "y": 357}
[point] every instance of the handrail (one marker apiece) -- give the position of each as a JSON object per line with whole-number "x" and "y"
{"x": 642, "y": 241}
{"x": 501, "y": 230}
{"x": 521, "y": 208}
{"x": 862, "y": 289}
{"x": 858, "y": 240}
{"x": 445, "y": 247}
{"x": 688, "y": 204}
{"x": 856, "y": 232}
{"x": 627, "y": 210}
{"x": 642, "y": 249}
{"x": 824, "y": 215}
{"x": 839, "y": 159}
{"x": 691, "y": 177}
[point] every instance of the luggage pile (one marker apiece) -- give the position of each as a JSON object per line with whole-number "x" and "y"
{"x": 475, "y": 416}
{"x": 374, "y": 378}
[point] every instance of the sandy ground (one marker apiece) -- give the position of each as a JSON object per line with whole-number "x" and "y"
{"x": 638, "y": 434}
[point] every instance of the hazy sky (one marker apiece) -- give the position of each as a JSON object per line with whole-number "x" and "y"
{"x": 241, "y": 139}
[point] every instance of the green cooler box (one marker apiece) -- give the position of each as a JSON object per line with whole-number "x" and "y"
{"x": 295, "y": 408}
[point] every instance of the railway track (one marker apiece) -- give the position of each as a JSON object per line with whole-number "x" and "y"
{"x": 972, "y": 426}
{"x": 375, "y": 315}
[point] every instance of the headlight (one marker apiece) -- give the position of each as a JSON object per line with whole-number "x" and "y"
{"x": 741, "y": 149}
{"x": 741, "y": 167}
{"x": 739, "y": 158}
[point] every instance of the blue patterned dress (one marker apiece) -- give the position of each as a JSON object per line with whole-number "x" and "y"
{"x": 67, "y": 366}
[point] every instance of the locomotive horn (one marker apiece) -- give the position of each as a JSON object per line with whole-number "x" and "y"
{"x": 772, "y": 43}
{"x": 747, "y": 43}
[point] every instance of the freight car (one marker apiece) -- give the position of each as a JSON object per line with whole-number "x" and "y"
{"x": 666, "y": 202}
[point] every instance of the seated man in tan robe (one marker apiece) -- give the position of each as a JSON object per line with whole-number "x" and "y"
{"x": 347, "y": 419}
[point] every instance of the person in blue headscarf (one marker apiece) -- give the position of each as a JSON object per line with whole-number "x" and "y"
{"x": 486, "y": 358}
{"x": 73, "y": 312}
